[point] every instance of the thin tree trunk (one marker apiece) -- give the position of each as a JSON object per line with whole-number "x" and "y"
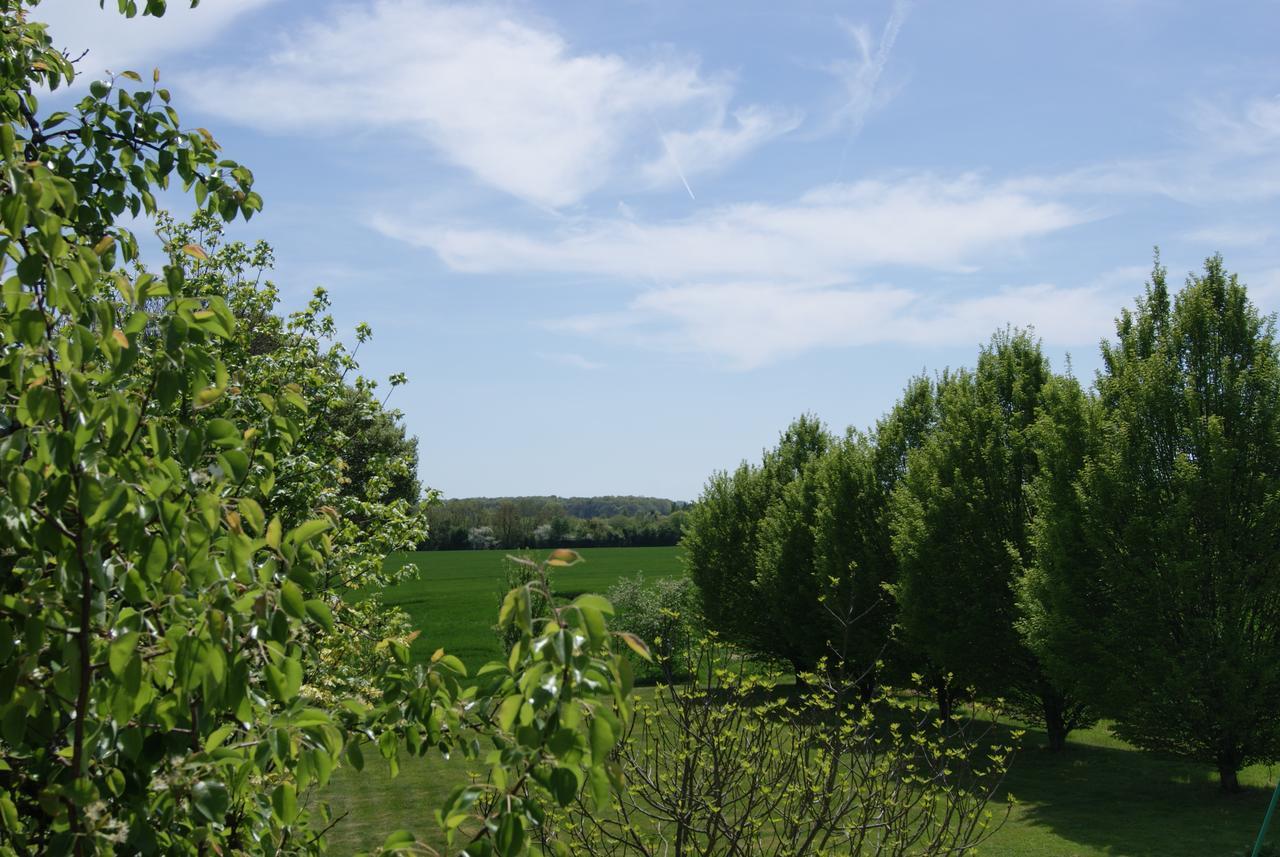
{"x": 945, "y": 701}
{"x": 1228, "y": 781}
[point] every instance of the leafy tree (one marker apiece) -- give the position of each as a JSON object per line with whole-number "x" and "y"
{"x": 748, "y": 545}
{"x": 377, "y": 453}
{"x": 171, "y": 560}
{"x": 719, "y": 549}
{"x": 1060, "y": 582}
{"x": 1174, "y": 595}
{"x": 962, "y": 527}
{"x": 853, "y": 557}
{"x": 787, "y": 585}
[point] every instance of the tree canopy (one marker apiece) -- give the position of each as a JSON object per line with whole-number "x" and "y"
{"x": 1158, "y": 587}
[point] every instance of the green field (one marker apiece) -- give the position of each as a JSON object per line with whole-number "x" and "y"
{"x": 1101, "y": 798}
{"x": 454, "y": 599}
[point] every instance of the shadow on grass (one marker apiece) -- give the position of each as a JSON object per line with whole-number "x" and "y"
{"x": 1116, "y": 801}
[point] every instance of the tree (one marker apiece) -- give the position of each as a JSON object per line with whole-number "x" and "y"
{"x": 962, "y": 524}
{"x": 853, "y": 557}
{"x": 172, "y": 557}
{"x": 1174, "y": 594}
{"x": 787, "y": 585}
{"x": 748, "y": 545}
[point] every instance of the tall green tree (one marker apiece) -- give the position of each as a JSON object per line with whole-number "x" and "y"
{"x": 962, "y": 519}
{"x": 853, "y": 557}
{"x": 787, "y": 586}
{"x": 749, "y": 538}
{"x": 1161, "y": 567}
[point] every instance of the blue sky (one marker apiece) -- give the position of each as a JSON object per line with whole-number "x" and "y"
{"x": 618, "y": 246}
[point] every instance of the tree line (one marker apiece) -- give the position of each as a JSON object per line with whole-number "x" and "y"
{"x": 1005, "y": 531}
{"x": 514, "y": 523}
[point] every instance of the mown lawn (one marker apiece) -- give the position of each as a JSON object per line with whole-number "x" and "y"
{"x": 1101, "y": 798}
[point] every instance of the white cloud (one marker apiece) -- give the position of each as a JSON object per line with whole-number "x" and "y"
{"x": 501, "y": 96}
{"x": 717, "y": 144}
{"x": 118, "y": 43}
{"x": 860, "y": 78}
{"x": 753, "y": 324}
{"x": 830, "y": 234}
{"x": 1231, "y": 235}
{"x": 1249, "y": 129}
{"x": 1230, "y": 151}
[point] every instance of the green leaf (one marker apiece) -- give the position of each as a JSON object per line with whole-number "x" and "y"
{"x": 222, "y": 433}
{"x": 252, "y": 514}
{"x": 509, "y": 840}
{"x": 564, "y": 785}
{"x": 211, "y": 799}
{"x": 284, "y": 803}
{"x": 595, "y": 602}
{"x": 120, "y": 652}
{"x": 307, "y": 531}
{"x": 508, "y": 710}
{"x": 320, "y": 613}
{"x": 399, "y": 839}
{"x": 602, "y": 740}
{"x": 292, "y": 601}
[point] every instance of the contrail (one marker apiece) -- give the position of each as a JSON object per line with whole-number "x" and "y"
{"x": 672, "y": 154}
{"x": 866, "y": 76}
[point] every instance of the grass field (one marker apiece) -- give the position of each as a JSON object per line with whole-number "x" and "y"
{"x": 1101, "y": 798}
{"x": 454, "y": 599}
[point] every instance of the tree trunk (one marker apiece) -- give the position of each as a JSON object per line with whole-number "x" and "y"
{"x": 1055, "y": 718}
{"x": 1055, "y": 724}
{"x": 943, "y": 695}
{"x": 1228, "y": 782}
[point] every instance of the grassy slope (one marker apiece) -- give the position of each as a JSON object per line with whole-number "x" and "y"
{"x": 1099, "y": 799}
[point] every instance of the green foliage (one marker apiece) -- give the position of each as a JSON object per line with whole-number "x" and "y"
{"x": 664, "y": 613}
{"x": 734, "y": 764}
{"x": 516, "y": 523}
{"x": 517, "y": 573}
{"x": 1175, "y": 506}
{"x": 750, "y": 549}
{"x": 854, "y": 559}
{"x": 962, "y": 528}
{"x": 176, "y": 659}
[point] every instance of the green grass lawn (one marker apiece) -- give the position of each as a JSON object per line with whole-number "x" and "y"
{"x": 1101, "y": 798}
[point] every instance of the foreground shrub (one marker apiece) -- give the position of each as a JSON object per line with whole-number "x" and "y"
{"x": 175, "y": 654}
{"x": 736, "y": 764}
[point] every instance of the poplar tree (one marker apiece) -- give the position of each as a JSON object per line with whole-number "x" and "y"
{"x": 1160, "y": 568}
{"x": 961, "y": 522}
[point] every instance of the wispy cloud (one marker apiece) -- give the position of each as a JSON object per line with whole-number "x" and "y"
{"x": 1229, "y": 149}
{"x": 860, "y": 77}
{"x": 747, "y": 325}
{"x": 117, "y": 43}
{"x": 497, "y": 93}
{"x": 831, "y": 234}
{"x": 1222, "y": 235}
{"x": 717, "y": 144}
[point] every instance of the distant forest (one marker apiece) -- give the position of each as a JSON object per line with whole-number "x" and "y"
{"x": 480, "y": 523}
